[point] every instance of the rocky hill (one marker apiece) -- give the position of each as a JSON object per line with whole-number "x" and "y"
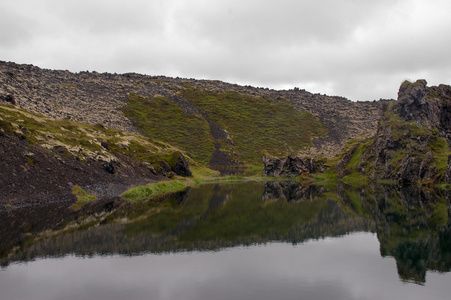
{"x": 100, "y": 98}
{"x": 106, "y": 132}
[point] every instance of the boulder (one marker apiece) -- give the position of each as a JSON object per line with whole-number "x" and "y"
{"x": 181, "y": 167}
{"x": 425, "y": 105}
{"x": 272, "y": 166}
{"x": 108, "y": 166}
{"x": 290, "y": 166}
{"x": 8, "y": 98}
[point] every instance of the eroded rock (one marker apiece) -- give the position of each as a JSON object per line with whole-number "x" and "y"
{"x": 181, "y": 167}
{"x": 290, "y": 166}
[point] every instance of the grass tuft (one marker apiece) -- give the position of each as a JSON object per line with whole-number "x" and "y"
{"x": 144, "y": 192}
{"x": 82, "y": 197}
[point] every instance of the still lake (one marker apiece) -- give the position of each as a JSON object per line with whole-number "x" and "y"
{"x": 250, "y": 240}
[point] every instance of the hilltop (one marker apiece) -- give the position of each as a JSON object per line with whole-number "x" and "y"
{"x": 212, "y": 107}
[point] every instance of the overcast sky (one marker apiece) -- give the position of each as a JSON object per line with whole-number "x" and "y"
{"x": 359, "y": 49}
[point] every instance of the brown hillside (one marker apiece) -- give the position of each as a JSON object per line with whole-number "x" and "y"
{"x": 96, "y": 98}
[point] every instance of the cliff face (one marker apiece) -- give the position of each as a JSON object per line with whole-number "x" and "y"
{"x": 99, "y": 98}
{"x": 428, "y": 106}
{"x": 412, "y": 139}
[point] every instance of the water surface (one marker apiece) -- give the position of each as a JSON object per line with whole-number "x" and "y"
{"x": 235, "y": 241}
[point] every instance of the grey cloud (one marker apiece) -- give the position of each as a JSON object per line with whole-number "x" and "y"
{"x": 358, "y": 49}
{"x": 13, "y": 27}
{"x": 113, "y": 17}
{"x": 267, "y": 22}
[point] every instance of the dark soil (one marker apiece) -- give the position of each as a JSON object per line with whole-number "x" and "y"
{"x": 31, "y": 175}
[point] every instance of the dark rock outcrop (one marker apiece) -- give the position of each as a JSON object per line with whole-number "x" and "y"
{"x": 181, "y": 167}
{"x": 108, "y": 166}
{"x": 409, "y": 170}
{"x": 430, "y": 106}
{"x": 290, "y": 166}
{"x": 8, "y": 98}
{"x": 412, "y": 138}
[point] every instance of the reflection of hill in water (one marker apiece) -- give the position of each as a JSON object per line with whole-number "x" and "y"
{"x": 230, "y": 215}
{"x": 414, "y": 258}
{"x": 412, "y": 225}
{"x": 112, "y": 238}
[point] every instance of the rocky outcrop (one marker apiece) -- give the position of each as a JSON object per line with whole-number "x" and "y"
{"x": 181, "y": 167}
{"x": 290, "y": 166}
{"x": 8, "y": 98}
{"x": 412, "y": 140}
{"x": 428, "y": 106}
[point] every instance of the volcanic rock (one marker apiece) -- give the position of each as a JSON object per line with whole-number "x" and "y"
{"x": 290, "y": 166}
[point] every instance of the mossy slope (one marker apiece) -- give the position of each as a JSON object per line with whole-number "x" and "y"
{"x": 165, "y": 120}
{"x": 242, "y": 127}
{"x": 86, "y": 142}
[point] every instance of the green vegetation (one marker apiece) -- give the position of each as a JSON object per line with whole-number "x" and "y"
{"x": 406, "y": 86}
{"x": 84, "y": 140}
{"x": 253, "y": 125}
{"x": 82, "y": 197}
{"x": 140, "y": 193}
{"x": 256, "y": 124}
{"x": 165, "y": 120}
{"x": 357, "y": 156}
{"x": 40, "y": 130}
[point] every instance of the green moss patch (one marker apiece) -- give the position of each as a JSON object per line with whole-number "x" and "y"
{"x": 165, "y": 120}
{"x": 82, "y": 197}
{"x": 140, "y": 193}
{"x": 257, "y": 124}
